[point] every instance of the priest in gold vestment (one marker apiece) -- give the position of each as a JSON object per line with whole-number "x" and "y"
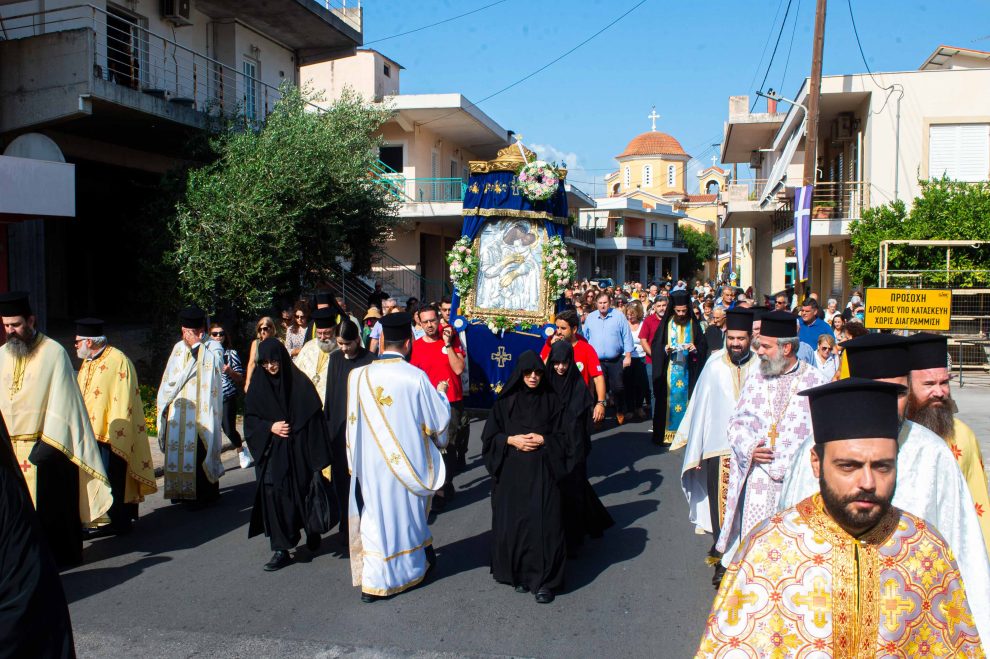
{"x": 314, "y": 357}
{"x": 190, "y": 404}
{"x": 109, "y": 387}
{"x": 844, "y": 573}
{"x": 50, "y": 431}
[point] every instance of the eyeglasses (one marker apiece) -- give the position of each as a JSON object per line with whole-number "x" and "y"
{"x": 218, "y": 334}
{"x": 265, "y": 329}
{"x": 299, "y": 315}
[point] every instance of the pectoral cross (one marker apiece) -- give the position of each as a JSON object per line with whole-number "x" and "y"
{"x": 773, "y": 435}
{"x": 501, "y": 356}
{"x": 381, "y": 397}
{"x": 25, "y": 466}
{"x": 352, "y": 418}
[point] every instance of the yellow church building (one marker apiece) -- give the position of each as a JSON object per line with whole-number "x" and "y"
{"x": 653, "y": 169}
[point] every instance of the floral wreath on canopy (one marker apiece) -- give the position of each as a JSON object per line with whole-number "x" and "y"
{"x": 538, "y": 180}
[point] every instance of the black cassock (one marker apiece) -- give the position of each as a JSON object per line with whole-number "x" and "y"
{"x": 695, "y": 362}
{"x": 528, "y": 546}
{"x": 584, "y": 513}
{"x": 57, "y": 494}
{"x": 285, "y": 467}
{"x": 34, "y": 617}
{"x": 338, "y": 370}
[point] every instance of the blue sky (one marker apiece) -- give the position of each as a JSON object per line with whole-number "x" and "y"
{"x": 686, "y": 58}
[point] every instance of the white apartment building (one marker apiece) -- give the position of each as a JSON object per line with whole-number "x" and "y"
{"x": 115, "y": 90}
{"x": 878, "y": 136}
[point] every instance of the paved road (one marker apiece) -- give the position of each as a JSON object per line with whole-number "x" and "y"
{"x": 191, "y": 584}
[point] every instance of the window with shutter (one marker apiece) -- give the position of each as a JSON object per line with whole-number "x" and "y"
{"x": 647, "y": 176}
{"x": 959, "y": 151}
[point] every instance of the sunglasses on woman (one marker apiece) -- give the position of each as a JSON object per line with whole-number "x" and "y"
{"x": 265, "y": 328}
{"x": 218, "y": 333}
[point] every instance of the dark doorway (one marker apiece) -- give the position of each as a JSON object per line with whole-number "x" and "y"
{"x": 123, "y": 48}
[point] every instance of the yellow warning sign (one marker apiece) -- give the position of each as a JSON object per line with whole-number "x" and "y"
{"x": 908, "y": 309}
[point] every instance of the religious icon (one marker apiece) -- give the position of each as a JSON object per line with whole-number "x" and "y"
{"x": 510, "y": 271}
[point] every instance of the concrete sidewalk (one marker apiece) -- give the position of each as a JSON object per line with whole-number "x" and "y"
{"x": 158, "y": 458}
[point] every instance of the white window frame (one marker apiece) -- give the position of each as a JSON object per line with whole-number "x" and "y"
{"x": 671, "y": 176}
{"x": 249, "y": 68}
{"x": 647, "y": 176}
{"x": 627, "y": 177}
{"x": 959, "y": 150}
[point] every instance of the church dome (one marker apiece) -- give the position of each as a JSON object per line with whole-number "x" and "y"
{"x": 653, "y": 143}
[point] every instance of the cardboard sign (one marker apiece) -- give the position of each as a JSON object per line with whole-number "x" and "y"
{"x": 908, "y": 309}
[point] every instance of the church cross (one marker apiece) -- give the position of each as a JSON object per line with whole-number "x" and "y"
{"x": 802, "y": 430}
{"x": 714, "y": 160}
{"x": 25, "y": 465}
{"x": 653, "y": 116}
{"x": 501, "y": 356}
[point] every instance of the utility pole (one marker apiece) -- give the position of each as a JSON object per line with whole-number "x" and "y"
{"x": 814, "y": 93}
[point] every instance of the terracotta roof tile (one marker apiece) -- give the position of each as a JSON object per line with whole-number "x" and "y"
{"x": 653, "y": 143}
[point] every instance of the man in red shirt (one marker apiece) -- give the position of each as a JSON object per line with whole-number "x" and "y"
{"x": 650, "y": 326}
{"x": 585, "y": 358}
{"x": 439, "y": 354}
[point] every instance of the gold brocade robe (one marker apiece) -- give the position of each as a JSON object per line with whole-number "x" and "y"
{"x": 109, "y": 387}
{"x": 967, "y": 452}
{"x": 801, "y": 586}
{"x": 313, "y": 363}
{"x": 39, "y": 400}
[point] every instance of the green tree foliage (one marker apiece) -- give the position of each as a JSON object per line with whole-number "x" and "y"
{"x": 946, "y": 210}
{"x": 273, "y": 212}
{"x": 701, "y": 247}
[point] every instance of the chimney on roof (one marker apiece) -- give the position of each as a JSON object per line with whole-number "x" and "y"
{"x": 771, "y": 102}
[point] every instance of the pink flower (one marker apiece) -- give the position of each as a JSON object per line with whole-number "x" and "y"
{"x": 464, "y": 269}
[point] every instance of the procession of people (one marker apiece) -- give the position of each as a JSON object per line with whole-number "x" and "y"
{"x": 823, "y": 488}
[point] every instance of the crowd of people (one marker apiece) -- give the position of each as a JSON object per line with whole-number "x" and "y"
{"x": 822, "y": 458}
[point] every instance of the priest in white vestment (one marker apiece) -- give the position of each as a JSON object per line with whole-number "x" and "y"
{"x": 704, "y": 428}
{"x": 768, "y": 425}
{"x": 190, "y": 404}
{"x": 930, "y": 484}
{"x": 314, "y": 357}
{"x": 50, "y": 432}
{"x": 396, "y": 426}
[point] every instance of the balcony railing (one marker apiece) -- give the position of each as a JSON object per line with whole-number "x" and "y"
{"x": 843, "y": 200}
{"x": 129, "y": 55}
{"x": 584, "y": 235}
{"x": 349, "y": 12}
{"x": 414, "y": 190}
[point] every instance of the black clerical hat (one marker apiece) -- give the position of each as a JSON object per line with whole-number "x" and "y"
{"x": 679, "y": 299}
{"x": 192, "y": 317}
{"x": 759, "y": 313}
{"x": 877, "y": 356}
{"x": 89, "y": 327}
{"x": 324, "y": 297}
{"x": 739, "y": 319}
{"x": 15, "y": 303}
{"x": 779, "y": 324}
{"x": 928, "y": 351}
{"x": 396, "y": 326}
{"x": 325, "y": 318}
{"x": 348, "y": 331}
{"x": 854, "y": 408}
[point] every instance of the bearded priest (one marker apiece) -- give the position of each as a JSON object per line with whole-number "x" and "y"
{"x": 929, "y": 482}
{"x": 679, "y": 351}
{"x": 109, "y": 386}
{"x": 50, "y": 431}
{"x": 396, "y": 426}
{"x": 769, "y": 423}
{"x": 930, "y": 404}
{"x": 314, "y": 357}
{"x": 705, "y": 472}
{"x": 845, "y": 573}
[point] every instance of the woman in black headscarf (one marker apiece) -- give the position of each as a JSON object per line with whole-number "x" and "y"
{"x": 584, "y": 513}
{"x": 34, "y": 618}
{"x": 524, "y": 451}
{"x": 287, "y": 434}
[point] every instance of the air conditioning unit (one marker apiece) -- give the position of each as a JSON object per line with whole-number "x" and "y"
{"x": 176, "y": 11}
{"x": 842, "y": 127}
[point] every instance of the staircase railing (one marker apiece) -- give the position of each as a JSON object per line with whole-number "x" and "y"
{"x": 394, "y": 182}
{"x": 400, "y": 280}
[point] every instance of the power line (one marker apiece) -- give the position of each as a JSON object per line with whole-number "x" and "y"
{"x": 547, "y": 65}
{"x": 797, "y": 13}
{"x": 766, "y": 44}
{"x": 890, "y": 89}
{"x": 774, "y": 53}
{"x": 446, "y": 20}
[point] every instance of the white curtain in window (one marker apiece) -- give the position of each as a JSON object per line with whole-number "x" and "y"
{"x": 959, "y": 151}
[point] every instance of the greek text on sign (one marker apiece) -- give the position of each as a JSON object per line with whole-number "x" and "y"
{"x": 908, "y": 308}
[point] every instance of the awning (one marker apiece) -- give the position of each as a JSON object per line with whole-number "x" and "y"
{"x": 778, "y": 175}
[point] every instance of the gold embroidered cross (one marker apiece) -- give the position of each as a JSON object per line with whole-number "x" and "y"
{"x": 352, "y": 418}
{"x": 818, "y": 601}
{"x": 734, "y": 604}
{"x": 381, "y": 397}
{"x": 394, "y": 458}
{"x": 501, "y": 356}
{"x": 893, "y": 606}
{"x": 773, "y": 435}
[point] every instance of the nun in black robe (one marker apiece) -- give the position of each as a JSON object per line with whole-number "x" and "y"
{"x": 350, "y": 355}
{"x": 528, "y": 546}
{"x": 285, "y": 466}
{"x": 34, "y": 617}
{"x": 584, "y": 513}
